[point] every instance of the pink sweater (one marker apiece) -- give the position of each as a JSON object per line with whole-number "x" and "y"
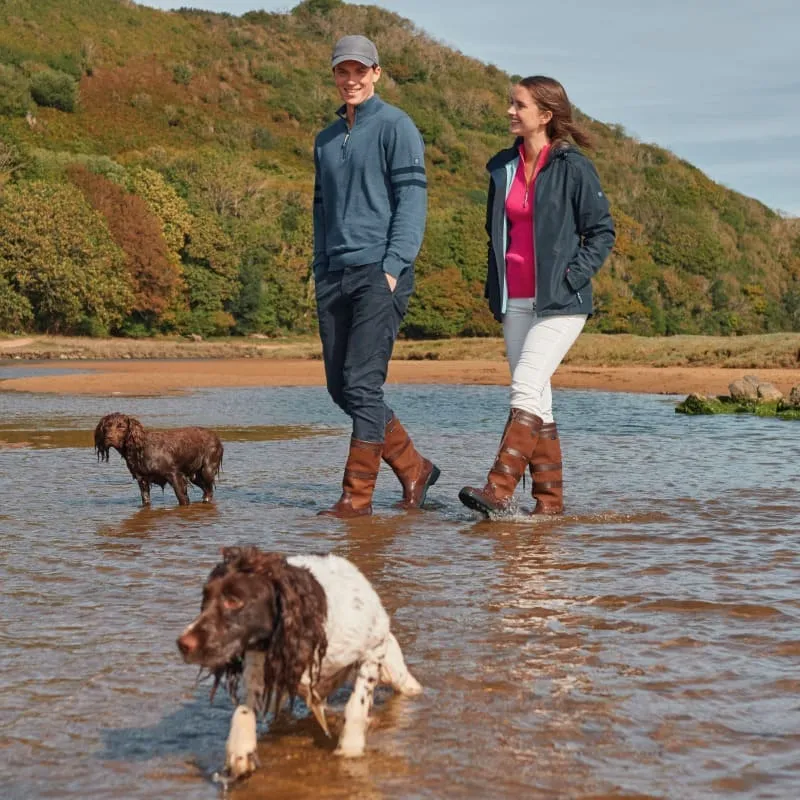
{"x": 520, "y": 256}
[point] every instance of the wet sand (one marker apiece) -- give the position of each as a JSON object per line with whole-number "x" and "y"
{"x": 154, "y": 377}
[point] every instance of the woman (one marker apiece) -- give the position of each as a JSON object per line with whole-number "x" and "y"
{"x": 549, "y": 230}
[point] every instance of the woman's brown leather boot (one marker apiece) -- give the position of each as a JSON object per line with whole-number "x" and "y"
{"x": 415, "y": 473}
{"x": 516, "y": 448}
{"x": 547, "y": 484}
{"x": 358, "y": 484}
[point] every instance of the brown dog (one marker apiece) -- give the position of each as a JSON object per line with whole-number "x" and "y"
{"x": 172, "y": 457}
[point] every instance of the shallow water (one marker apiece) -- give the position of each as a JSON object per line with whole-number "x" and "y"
{"x": 647, "y": 644}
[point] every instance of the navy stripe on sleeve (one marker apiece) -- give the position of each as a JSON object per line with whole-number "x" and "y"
{"x": 408, "y": 170}
{"x": 410, "y": 182}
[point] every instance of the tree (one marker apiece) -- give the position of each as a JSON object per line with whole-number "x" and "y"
{"x": 210, "y": 263}
{"x": 165, "y": 203}
{"x": 58, "y": 255}
{"x": 16, "y": 313}
{"x": 154, "y": 276}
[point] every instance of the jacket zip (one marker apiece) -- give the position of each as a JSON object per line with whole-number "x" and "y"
{"x": 528, "y": 185}
{"x": 535, "y": 254}
{"x": 533, "y": 227}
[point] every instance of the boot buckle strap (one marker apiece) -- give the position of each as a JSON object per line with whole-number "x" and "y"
{"x": 506, "y": 469}
{"x": 366, "y": 476}
{"x": 512, "y": 452}
{"x": 548, "y": 484}
{"x": 545, "y": 467}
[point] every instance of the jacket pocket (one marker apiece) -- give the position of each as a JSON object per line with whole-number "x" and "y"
{"x": 554, "y": 292}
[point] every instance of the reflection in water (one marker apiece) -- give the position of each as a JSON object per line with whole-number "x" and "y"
{"x": 39, "y": 438}
{"x": 643, "y": 645}
{"x": 148, "y": 521}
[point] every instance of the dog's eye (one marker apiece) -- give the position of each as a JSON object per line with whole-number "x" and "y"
{"x": 231, "y": 602}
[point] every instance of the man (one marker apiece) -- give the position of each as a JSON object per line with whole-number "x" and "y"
{"x": 370, "y": 202}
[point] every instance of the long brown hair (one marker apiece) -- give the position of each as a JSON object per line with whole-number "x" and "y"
{"x": 551, "y": 96}
{"x": 297, "y": 642}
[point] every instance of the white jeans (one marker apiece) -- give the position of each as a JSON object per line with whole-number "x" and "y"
{"x": 535, "y": 346}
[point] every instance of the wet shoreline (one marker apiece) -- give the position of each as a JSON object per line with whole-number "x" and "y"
{"x": 148, "y": 377}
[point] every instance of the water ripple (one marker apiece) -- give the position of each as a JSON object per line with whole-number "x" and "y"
{"x": 644, "y": 645}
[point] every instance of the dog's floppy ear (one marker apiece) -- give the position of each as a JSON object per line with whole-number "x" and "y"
{"x": 100, "y": 440}
{"x": 134, "y": 432}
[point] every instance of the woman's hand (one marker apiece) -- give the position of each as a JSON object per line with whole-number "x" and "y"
{"x": 391, "y": 280}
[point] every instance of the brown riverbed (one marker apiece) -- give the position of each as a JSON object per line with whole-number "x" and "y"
{"x": 157, "y": 376}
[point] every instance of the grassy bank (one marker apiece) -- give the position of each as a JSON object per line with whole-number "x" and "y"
{"x": 779, "y": 350}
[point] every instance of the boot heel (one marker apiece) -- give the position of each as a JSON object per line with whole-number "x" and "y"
{"x": 434, "y": 476}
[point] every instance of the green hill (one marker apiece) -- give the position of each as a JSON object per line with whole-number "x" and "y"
{"x": 156, "y": 176}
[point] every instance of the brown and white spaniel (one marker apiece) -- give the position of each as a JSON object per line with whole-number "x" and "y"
{"x": 293, "y": 626}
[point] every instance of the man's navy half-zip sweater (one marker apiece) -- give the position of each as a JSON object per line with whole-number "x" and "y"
{"x": 370, "y": 190}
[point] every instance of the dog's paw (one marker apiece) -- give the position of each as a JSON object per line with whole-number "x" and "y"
{"x": 411, "y": 687}
{"x": 240, "y": 749}
{"x": 351, "y": 746}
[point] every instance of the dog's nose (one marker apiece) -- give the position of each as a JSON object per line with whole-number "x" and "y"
{"x": 188, "y": 643}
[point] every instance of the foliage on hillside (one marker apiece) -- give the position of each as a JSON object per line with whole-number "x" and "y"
{"x": 167, "y": 157}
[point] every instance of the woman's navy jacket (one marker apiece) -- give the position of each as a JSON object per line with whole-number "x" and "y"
{"x": 573, "y": 230}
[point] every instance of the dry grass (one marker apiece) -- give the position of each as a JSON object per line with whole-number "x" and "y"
{"x": 775, "y": 350}
{"x": 779, "y": 350}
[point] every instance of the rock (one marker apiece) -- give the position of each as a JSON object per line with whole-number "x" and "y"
{"x": 794, "y": 397}
{"x": 195, "y": 337}
{"x": 768, "y": 393}
{"x": 697, "y": 403}
{"x": 744, "y": 389}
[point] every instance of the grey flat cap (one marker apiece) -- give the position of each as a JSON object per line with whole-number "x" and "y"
{"x": 355, "y": 48}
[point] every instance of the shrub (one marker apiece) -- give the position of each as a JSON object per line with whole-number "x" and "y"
{"x": 91, "y": 326}
{"x": 68, "y": 63}
{"x": 316, "y": 7}
{"x": 271, "y": 75}
{"x": 438, "y": 309}
{"x": 134, "y": 329}
{"x": 182, "y": 74}
{"x": 54, "y": 89}
{"x": 262, "y": 139}
{"x": 15, "y": 95}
